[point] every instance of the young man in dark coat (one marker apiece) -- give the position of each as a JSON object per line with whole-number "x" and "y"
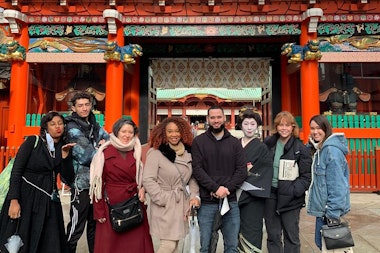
{"x": 83, "y": 130}
{"x": 219, "y": 167}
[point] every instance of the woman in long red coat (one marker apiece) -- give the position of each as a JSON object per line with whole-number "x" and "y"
{"x": 115, "y": 171}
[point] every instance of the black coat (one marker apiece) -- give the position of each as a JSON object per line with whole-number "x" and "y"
{"x": 41, "y": 225}
{"x": 291, "y": 194}
{"x": 260, "y": 174}
{"x": 218, "y": 163}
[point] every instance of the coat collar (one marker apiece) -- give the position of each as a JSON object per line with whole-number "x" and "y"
{"x": 169, "y": 153}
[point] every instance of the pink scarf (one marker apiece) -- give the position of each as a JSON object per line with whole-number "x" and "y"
{"x": 97, "y": 164}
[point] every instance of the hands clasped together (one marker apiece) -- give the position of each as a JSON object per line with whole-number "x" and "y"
{"x": 222, "y": 192}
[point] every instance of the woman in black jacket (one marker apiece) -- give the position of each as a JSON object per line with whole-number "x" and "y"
{"x": 33, "y": 203}
{"x": 291, "y": 178}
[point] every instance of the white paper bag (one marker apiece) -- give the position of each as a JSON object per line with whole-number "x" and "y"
{"x": 225, "y": 206}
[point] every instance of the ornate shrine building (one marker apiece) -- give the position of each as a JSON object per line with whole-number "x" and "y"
{"x": 307, "y": 57}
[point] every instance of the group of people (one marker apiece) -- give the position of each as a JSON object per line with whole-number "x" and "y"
{"x": 247, "y": 180}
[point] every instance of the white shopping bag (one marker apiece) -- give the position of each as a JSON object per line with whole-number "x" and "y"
{"x": 191, "y": 239}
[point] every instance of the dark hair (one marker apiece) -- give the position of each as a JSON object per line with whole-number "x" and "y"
{"x": 158, "y": 134}
{"x": 324, "y": 124}
{"x": 215, "y": 107}
{"x": 46, "y": 119}
{"x": 291, "y": 120}
{"x": 79, "y": 95}
{"x": 120, "y": 123}
{"x": 249, "y": 112}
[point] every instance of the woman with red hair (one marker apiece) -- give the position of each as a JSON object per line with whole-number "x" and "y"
{"x": 168, "y": 182}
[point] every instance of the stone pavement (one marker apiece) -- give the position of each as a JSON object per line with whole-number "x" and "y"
{"x": 364, "y": 218}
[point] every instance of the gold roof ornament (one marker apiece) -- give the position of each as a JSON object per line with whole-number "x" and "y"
{"x": 125, "y": 54}
{"x": 12, "y": 51}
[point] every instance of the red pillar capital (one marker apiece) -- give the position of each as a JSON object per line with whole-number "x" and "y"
{"x": 309, "y": 71}
{"x": 18, "y": 89}
{"x": 115, "y": 71}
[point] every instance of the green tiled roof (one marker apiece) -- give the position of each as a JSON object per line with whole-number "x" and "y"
{"x": 244, "y": 94}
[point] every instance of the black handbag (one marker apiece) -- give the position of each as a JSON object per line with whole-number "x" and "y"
{"x": 126, "y": 215}
{"x": 337, "y": 237}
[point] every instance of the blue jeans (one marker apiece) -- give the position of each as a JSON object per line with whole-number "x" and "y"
{"x": 230, "y": 226}
{"x": 319, "y": 222}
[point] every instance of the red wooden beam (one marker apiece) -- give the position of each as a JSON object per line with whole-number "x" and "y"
{"x": 359, "y": 132}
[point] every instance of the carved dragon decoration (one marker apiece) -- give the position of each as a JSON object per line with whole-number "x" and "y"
{"x": 297, "y": 53}
{"x": 12, "y": 51}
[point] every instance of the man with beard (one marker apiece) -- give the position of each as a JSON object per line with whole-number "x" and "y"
{"x": 219, "y": 167}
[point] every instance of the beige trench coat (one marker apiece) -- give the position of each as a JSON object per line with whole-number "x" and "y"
{"x": 168, "y": 204}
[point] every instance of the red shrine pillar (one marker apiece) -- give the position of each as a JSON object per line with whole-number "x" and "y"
{"x": 286, "y": 97}
{"x": 18, "y": 89}
{"x": 134, "y": 109}
{"x": 232, "y": 124}
{"x": 309, "y": 71}
{"x": 114, "y": 71}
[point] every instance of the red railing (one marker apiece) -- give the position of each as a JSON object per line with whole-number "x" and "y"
{"x": 364, "y": 170}
{"x": 6, "y": 153}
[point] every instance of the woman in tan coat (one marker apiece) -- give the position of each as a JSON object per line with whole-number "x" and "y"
{"x": 168, "y": 182}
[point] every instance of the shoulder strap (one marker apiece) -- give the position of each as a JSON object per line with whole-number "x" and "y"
{"x": 184, "y": 185}
{"x": 36, "y": 142}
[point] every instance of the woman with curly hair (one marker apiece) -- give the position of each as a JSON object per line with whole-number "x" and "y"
{"x": 168, "y": 182}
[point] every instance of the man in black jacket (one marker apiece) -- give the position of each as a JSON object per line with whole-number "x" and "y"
{"x": 83, "y": 130}
{"x": 219, "y": 167}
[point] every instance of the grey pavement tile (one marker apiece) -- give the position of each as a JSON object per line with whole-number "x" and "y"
{"x": 364, "y": 218}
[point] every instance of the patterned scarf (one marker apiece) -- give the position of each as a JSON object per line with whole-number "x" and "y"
{"x": 97, "y": 164}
